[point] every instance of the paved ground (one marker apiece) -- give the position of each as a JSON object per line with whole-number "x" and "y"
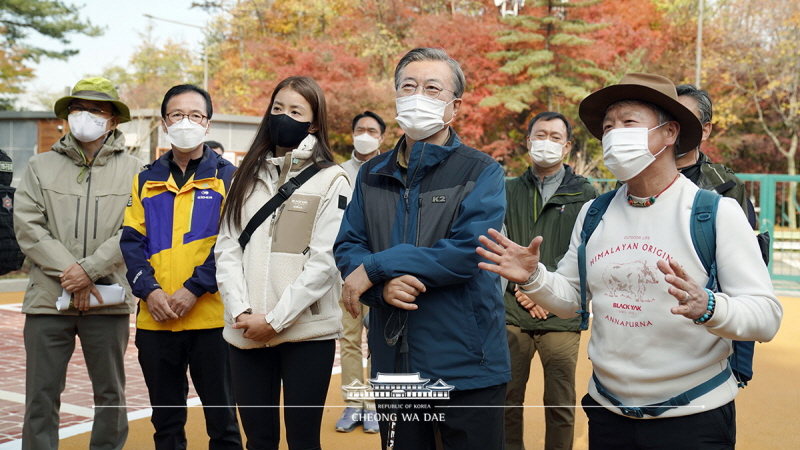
{"x": 76, "y": 407}
{"x": 766, "y": 410}
{"x": 76, "y": 401}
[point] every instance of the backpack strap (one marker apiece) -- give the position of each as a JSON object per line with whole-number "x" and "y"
{"x": 704, "y": 233}
{"x": 656, "y": 409}
{"x": 590, "y": 222}
{"x": 704, "y": 238}
{"x": 284, "y": 192}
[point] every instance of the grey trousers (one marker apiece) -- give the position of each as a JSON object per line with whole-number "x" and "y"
{"x": 49, "y": 344}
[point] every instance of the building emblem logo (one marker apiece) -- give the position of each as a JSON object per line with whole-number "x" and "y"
{"x": 398, "y": 386}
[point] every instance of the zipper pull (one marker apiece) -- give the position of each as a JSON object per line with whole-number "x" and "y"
{"x": 275, "y": 218}
{"x": 272, "y": 222}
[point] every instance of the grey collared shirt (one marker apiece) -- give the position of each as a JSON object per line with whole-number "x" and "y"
{"x": 550, "y": 184}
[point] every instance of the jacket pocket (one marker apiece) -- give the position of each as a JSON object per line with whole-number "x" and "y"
{"x": 77, "y": 216}
{"x": 294, "y": 226}
{"x": 437, "y": 211}
{"x": 108, "y": 210}
{"x": 469, "y": 329}
{"x": 65, "y": 216}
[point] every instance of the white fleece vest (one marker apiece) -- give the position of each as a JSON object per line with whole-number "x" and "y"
{"x": 278, "y": 251}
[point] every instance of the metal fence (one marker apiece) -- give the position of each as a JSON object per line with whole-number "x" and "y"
{"x": 775, "y": 200}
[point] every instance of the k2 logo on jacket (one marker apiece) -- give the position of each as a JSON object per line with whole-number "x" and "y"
{"x": 439, "y": 199}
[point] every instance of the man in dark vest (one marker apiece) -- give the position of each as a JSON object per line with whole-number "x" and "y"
{"x": 10, "y": 255}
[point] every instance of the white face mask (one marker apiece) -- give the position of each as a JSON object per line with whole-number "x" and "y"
{"x": 186, "y": 135}
{"x": 546, "y": 153}
{"x": 626, "y": 152}
{"x": 419, "y": 116}
{"x": 87, "y": 127}
{"x": 365, "y": 144}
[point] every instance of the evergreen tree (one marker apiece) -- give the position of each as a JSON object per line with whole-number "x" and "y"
{"x": 543, "y": 58}
{"x": 20, "y": 18}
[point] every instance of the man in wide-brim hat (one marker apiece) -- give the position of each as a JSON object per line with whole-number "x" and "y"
{"x": 660, "y": 340}
{"x": 68, "y": 215}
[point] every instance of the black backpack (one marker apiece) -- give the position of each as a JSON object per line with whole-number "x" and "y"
{"x": 10, "y": 255}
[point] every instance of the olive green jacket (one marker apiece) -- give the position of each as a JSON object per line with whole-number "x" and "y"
{"x": 722, "y": 180}
{"x": 526, "y": 218}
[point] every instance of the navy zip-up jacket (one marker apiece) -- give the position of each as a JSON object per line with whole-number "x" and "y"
{"x": 428, "y": 227}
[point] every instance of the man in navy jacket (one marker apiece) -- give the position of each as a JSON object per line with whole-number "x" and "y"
{"x": 406, "y": 248}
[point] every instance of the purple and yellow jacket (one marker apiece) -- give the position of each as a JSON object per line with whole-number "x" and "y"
{"x": 169, "y": 235}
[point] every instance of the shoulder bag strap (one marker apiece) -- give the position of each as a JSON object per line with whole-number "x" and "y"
{"x": 284, "y": 192}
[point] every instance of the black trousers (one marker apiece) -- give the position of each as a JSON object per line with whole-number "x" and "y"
{"x": 164, "y": 357}
{"x": 709, "y": 430}
{"x": 468, "y": 420}
{"x": 305, "y": 370}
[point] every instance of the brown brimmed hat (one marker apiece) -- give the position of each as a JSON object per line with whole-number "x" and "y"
{"x": 643, "y": 87}
{"x": 97, "y": 89}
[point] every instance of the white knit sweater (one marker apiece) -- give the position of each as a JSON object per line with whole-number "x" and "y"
{"x": 287, "y": 270}
{"x": 352, "y": 166}
{"x": 640, "y": 351}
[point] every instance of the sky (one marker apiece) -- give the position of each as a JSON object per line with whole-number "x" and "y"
{"x": 123, "y": 21}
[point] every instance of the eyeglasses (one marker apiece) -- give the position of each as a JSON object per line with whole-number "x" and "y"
{"x": 429, "y": 90}
{"x": 93, "y": 110}
{"x": 175, "y": 117}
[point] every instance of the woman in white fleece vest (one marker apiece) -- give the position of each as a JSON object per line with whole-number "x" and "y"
{"x": 281, "y": 290}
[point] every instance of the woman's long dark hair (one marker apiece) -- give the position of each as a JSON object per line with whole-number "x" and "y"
{"x": 244, "y": 180}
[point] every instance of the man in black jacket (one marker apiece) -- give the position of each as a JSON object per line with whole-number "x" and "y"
{"x": 10, "y": 255}
{"x": 697, "y": 166}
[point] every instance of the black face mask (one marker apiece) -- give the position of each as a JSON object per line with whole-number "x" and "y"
{"x": 287, "y": 132}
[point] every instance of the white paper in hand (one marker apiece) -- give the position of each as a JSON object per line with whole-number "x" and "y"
{"x": 112, "y": 295}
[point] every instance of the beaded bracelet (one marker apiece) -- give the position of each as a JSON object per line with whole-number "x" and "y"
{"x": 709, "y": 310}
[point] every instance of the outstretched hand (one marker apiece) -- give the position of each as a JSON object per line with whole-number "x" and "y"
{"x": 692, "y": 298}
{"x": 511, "y": 261}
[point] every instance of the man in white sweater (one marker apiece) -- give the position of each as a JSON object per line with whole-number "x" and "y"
{"x": 657, "y": 333}
{"x": 368, "y": 133}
